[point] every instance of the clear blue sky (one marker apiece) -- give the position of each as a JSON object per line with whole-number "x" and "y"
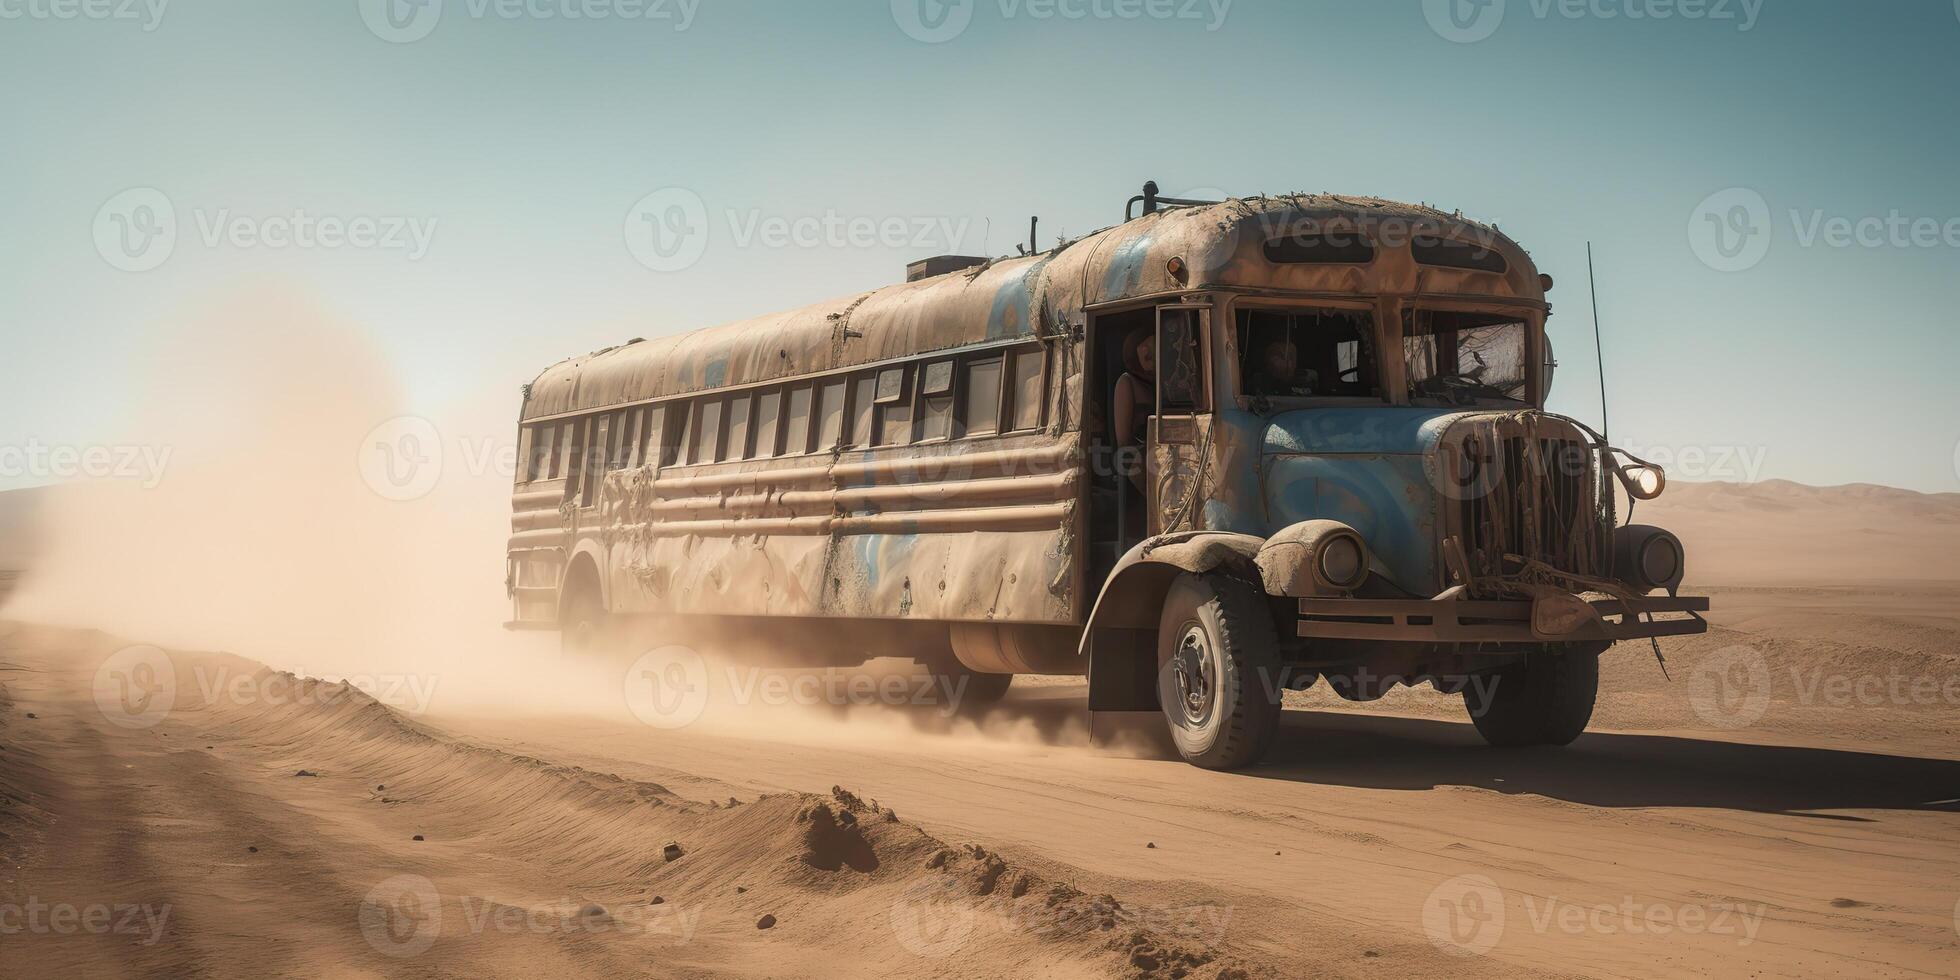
{"x": 527, "y": 139}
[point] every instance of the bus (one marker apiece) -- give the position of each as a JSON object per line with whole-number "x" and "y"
{"x": 1218, "y": 451}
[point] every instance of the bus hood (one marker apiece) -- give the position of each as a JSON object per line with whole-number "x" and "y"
{"x": 1370, "y": 467}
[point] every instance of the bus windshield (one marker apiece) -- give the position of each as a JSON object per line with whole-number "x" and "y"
{"x": 1464, "y": 358}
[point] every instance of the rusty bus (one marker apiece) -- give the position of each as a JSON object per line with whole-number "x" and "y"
{"x": 1212, "y": 452}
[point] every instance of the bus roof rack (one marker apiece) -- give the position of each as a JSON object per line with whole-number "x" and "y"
{"x": 1152, "y": 203}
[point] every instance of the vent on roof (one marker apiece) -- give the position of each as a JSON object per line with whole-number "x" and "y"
{"x": 939, "y": 265}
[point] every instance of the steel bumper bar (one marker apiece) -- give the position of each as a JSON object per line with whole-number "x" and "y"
{"x": 1458, "y": 620}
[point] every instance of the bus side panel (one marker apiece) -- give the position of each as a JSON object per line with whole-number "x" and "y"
{"x": 970, "y": 531}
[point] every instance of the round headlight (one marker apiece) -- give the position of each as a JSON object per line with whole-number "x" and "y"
{"x": 1342, "y": 562}
{"x": 1645, "y": 482}
{"x": 1660, "y": 560}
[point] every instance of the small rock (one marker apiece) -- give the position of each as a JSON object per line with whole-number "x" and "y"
{"x": 1846, "y": 903}
{"x": 739, "y": 889}
{"x": 251, "y": 850}
{"x": 418, "y": 837}
{"x": 734, "y": 802}
{"x": 380, "y": 788}
{"x": 1372, "y": 953}
{"x": 1276, "y": 854}
{"x": 847, "y": 818}
{"x": 672, "y": 851}
{"x": 891, "y": 816}
{"x": 1152, "y": 845}
{"x": 1143, "y": 960}
{"x": 765, "y": 922}
{"x": 32, "y": 715}
{"x": 591, "y": 911}
{"x": 210, "y": 746}
{"x": 657, "y": 900}
{"x": 305, "y": 772}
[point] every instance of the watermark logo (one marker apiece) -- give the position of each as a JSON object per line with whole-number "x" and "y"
{"x": 1469, "y": 21}
{"x": 401, "y": 917}
{"x": 933, "y": 918}
{"x": 142, "y": 465}
{"x": 136, "y": 687}
{"x": 1730, "y": 688}
{"x": 1464, "y": 916}
{"x": 667, "y": 688}
{"x": 401, "y": 459}
{"x": 1464, "y": 21}
{"x": 136, "y": 230}
{"x": 149, "y": 12}
{"x": 37, "y": 918}
{"x": 937, "y": 21}
{"x": 401, "y": 21}
{"x": 1730, "y": 230}
{"x": 667, "y": 230}
{"x": 408, "y": 21}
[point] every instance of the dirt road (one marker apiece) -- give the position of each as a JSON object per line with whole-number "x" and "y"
{"x": 1370, "y": 845}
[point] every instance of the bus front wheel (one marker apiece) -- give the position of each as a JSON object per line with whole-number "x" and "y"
{"x": 1218, "y": 671}
{"x": 1545, "y": 700}
{"x": 584, "y": 628}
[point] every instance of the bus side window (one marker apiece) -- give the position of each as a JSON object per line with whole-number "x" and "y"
{"x": 563, "y": 446}
{"x": 1024, "y": 389}
{"x": 980, "y": 398}
{"x": 796, "y": 428}
{"x": 738, "y": 427}
{"x": 768, "y": 406}
{"x": 653, "y": 451}
{"x": 707, "y": 431}
{"x": 1180, "y": 368}
{"x": 685, "y": 444}
{"x": 592, "y": 469}
{"x": 537, "y": 461}
{"x": 894, "y": 407}
{"x": 936, "y": 401}
{"x": 830, "y": 415}
{"x": 864, "y": 398}
{"x": 626, "y": 446}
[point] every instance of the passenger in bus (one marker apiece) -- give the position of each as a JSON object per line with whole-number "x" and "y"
{"x": 1278, "y": 373}
{"x": 1135, "y": 401}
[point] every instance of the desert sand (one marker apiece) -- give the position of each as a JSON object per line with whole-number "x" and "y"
{"x": 1788, "y": 804}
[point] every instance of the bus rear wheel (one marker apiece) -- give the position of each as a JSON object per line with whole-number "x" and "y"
{"x": 1218, "y": 671}
{"x": 1545, "y": 700}
{"x": 584, "y": 628}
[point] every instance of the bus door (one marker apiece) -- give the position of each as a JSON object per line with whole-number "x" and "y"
{"x": 1178, "y": 428}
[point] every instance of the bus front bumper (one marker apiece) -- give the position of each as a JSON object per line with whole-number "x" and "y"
{"x": 1454, "y": 619}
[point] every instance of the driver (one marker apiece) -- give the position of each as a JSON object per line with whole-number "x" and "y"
{"x": 1278, "y": 372}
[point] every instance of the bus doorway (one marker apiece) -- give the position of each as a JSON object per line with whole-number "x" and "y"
{"x": 1143, "y": 426}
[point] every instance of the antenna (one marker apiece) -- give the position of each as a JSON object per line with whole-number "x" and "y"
{"x": 1599, "y": 353}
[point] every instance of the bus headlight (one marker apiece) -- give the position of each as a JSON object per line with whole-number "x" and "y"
{"x": 1648, "y": 558}
{"x": 1314, "y": 558}
{"x": 1645, "y": 482}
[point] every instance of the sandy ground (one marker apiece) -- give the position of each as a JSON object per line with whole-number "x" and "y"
{"x": 1788, "y": 804}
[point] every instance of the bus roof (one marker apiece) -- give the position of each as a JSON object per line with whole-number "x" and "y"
{"x": 1223, "y": 246}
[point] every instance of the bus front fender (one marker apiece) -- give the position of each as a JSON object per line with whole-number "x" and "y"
{"x": 1120, "y": 641}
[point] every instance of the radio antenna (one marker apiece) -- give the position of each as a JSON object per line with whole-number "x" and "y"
{"x": 1599, "y": 352}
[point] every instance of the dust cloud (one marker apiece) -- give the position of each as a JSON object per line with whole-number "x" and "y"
{"x": 265, "y": 536}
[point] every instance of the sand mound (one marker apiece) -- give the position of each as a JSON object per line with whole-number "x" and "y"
{"x": 837, "y": 878}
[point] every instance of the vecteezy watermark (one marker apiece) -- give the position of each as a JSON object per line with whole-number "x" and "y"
{"x": 1470, "y": 21}
{"x": 937, "y": 21}
{"x": 1731, "y": 230}
{"x": 138, "y": 230}
{"x": 138, "y": 686}
{"x": 1464, "y": 916}
{"x": 407, "y": 21}
{"x": 403, "y": 917}
{"x": 1730, "y": 688}
{"x": 1730, "y": 464}
{"x": 935, "y": 918}
{"x": 670, "y": 229}
{"x": 148, "y": 12}
{"x": 141, "y": 465}
{"x": 37, "y": 918}
{"x": 1467, "y": 916}
{"x": 670, "y": 687}
{"x": 405, "y": 457}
